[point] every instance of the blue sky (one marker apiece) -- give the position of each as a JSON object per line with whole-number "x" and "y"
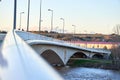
{"x": 89, "y": 16}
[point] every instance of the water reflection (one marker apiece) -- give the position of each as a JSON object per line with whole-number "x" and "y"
{"x": 90, "y": 74}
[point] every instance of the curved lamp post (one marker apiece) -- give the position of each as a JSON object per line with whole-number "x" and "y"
{"x": 40, "y": 16}
{"x": 20, "y": 19}
{"x": 15, "y": 7}
{"x": 74, "y": 28}
{"x": 63, "y": 24}
{"x": 28, "y": 15}
{"x": 51, "y": 19}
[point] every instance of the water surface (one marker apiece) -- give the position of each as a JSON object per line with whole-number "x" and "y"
{"x": 89, "y": 74}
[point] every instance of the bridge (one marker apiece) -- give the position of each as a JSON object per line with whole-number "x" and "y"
{"x": 57, "y": 51}
{"x": 18, "y": 61}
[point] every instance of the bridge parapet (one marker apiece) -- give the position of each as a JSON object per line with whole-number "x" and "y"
{"x": 31, "y": 36}
{"x": 18, "y": 61}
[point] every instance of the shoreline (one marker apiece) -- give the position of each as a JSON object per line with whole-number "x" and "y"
{"x": 94, "y": 63}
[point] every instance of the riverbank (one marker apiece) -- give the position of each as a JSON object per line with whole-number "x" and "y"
{"x": 93, "y": 63}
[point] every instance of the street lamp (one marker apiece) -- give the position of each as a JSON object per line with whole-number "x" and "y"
{"x": 40, "y": 16}
{"x": 51, "y": 19}
{"x": 74, "y": 28}
{"x": 15, "y": 10}
{"x": 28, "y": 15}
{"x": 63, "y": 24}
{"x": 20, "y": 19}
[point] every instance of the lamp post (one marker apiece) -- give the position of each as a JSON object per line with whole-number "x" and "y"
{"x": 74, "y": 32}
{"x": 20, "y": 19}
{"x": 28, "y": 15}
{"x": 63, "y": 24}
{"x": 74, "y": 28}
{"x": 15, "y": 7}
{"x": 40, "y": 16}
{"x": 51, "y": 19}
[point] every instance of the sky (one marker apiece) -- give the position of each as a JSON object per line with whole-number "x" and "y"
{"x": 89, "y": 16}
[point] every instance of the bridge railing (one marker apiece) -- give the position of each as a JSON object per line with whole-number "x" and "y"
{"x": 18, "y": 61}
{"x": 30, "y": 36}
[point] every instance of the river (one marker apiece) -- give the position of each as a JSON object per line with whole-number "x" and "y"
{"x": 89, "y": 74}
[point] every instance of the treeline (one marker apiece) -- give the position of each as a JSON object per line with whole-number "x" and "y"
{"x": 115, "y": 56}
{"x": 115, "y": 51}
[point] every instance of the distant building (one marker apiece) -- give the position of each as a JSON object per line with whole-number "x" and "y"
{"x": 106, "y": 45}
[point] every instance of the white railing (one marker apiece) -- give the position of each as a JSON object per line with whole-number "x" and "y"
{"x": 30, "y": 36}
{"x": 18, "y": 61}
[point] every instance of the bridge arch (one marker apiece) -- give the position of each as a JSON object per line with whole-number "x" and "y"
{"x": 77, "y": 55}
{"x": 52, "y": 57}
{"x": 63, "y": 54}
{"x": 98, "y": 56}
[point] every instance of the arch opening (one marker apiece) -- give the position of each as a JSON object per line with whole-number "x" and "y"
{"x": 75, "y": 57}
{"x": 52, "y": 58}
{"x": 98, "y": 56}
{"x": 78, "y": 55}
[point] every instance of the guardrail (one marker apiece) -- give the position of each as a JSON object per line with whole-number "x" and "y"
{"x": 30, "y": 36}
{"x": 18, "y": 61}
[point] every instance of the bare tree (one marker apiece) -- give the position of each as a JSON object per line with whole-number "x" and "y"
{"x": 116, "y": 29}
{"x": 116, "y": 56}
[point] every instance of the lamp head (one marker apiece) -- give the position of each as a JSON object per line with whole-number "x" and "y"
{"x": 49, "y": 9}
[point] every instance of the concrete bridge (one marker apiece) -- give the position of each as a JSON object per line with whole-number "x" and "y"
{"x": 59, "y": 52}
{"x": 18, "y": 61}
